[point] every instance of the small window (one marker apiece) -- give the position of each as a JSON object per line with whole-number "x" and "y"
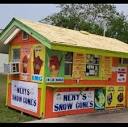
{"x": 123, "y": 60}
{"x": 92, "y": 65}
{"x": 16, "y": 54}
{"x": 25, "y": 36}
{"x": 68, "y": 63}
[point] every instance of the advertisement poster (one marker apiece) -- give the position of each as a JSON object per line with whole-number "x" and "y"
{"x": 65, "y": 101}
{"x": 120, "y": 97}
{"x": 92, "y": 65}
{"x": 38, "y": 63}
{"x": 107, "y": 67}
{"x": 121, "y": 74}
{"x": 54, "y": 66}
{"x": 24, "y": 95}
{"x": 78, "y": 66}
{"x": 100, "y": 98}
{"x": 111, "y": 96}
{"x": 25, "y": 63}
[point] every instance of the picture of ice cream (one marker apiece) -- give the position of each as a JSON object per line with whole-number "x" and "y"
{"x": 25, "y": 64}
{"x": 54, "y": 65}
{"x": 37, "y": 62}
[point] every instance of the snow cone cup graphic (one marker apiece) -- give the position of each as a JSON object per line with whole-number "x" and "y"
{"x": 38, "y": 62}
{"x": 25, "y": 64}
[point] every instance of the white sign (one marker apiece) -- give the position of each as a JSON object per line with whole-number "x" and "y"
{"x": 24, "y": 95}
{"x": 54, "y": 79}
{"x": 65, "y": 101}
{"x": 121, "y": 74}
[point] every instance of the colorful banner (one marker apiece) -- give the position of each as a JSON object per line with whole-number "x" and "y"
{"x": 120, "y": 96}
{"x": 78, "y": 66}
{"x": 38, "y": 58}
{"x": 100, "y": 98}
{"x": 121, "y": 74}
{"x": 65, "y": 101}
{"x": 54, "y": 65}
{"x": 111, "y": 96}
{"x": 25, "y": 63}
{"x": 24, "y": 95}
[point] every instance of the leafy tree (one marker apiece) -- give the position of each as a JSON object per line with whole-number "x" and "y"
{"x": 93, "y": 18}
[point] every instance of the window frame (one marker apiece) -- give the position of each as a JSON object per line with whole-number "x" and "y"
{"x": 23, "y": 33}
{"x": 71, "y": 64}
{"x": 99, "y": 68}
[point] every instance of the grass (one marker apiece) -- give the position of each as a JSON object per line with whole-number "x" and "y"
{"x": 8, "y": 115}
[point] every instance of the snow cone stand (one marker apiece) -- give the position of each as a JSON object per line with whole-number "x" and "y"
{"x": 53, "y": 71}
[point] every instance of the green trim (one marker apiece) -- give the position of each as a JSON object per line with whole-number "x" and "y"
{"x": 43, "y": 100}
{"x": 75, "y": 86}
{"x": 16, "y": 23}
{"x": 89, "y": 50}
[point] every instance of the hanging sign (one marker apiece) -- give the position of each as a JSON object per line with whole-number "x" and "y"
{"x": 24, "y": 95}
{"x": 65, "y": 101}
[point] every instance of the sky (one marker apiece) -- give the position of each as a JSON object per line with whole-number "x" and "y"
{"x": 35, "y": 12}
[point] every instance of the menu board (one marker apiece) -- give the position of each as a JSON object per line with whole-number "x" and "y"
{"x": 107, "y": 67}
{"x": 78, "y": 66}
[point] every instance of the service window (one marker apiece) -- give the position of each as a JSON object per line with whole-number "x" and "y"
{"x": 25, "y": 36}
{"x": 68, "y": 63}
{"x": 16, "y": 55}
{"x": 92, "y": 65}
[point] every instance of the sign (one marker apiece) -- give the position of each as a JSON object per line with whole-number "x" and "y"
{"x": 111, "y": 96}
{"x": 25, "y": 63}
{"x": 24, "y": 95}
{"x": 121, "y": 74}
{"x": 78, "y": 66}
{"x": 54, "y": 79}
{"x": 99, "y": 98}
{"x": 120, "y": 96}
{"x": 65, "y": 101}
{"x": 54, "y": 64}
{"x": 38, "y": 63}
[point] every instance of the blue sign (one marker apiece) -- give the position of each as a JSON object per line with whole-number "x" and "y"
{"x": 38, "y": 78}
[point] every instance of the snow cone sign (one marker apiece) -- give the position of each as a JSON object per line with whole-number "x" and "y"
{"x": 65, "y": 101}
{"x": 24, "y": 95}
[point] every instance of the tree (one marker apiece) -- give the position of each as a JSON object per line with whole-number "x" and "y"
{"x": 93, "y": 18}
{"x": 118, "y": 28}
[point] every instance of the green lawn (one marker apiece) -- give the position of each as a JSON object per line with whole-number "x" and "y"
{"x": 8, "y": 115}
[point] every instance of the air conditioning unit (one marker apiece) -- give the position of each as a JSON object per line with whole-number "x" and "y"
{"x": 123, "y": 60}
{"x": 12, "y": 68}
